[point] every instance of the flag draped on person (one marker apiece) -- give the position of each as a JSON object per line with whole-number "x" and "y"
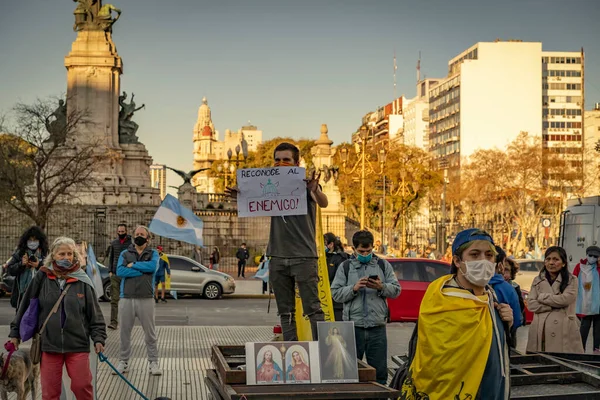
{"x": 173, "y": 220}
{"x": 302, "y": 322}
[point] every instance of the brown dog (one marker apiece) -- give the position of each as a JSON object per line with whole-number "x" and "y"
{"x": 21, "y": 376}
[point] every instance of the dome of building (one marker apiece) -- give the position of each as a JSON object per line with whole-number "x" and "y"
{"x": 206, "y": 131}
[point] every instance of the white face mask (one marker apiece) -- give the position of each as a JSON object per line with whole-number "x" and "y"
{"x": 592, "y": 260}
{"x": 479, "y": 272}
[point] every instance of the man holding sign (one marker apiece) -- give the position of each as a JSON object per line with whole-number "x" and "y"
{"x": 292, "y": 246}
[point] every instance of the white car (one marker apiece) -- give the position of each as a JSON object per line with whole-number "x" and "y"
{"x": 528, "y": 270}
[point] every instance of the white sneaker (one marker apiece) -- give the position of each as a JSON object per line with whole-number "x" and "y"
{"x": 154, "y": 368}
{"x": 122, "y": 367}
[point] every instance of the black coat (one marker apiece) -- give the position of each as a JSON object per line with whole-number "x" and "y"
{"x": 17, "y": 269}
{"x": 334, "y": 260}
{"x": 114, "y": 251}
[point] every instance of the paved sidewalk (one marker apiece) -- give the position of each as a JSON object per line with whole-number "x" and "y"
{"x": 248, "y": 288}
{"x": 185, "y": 356}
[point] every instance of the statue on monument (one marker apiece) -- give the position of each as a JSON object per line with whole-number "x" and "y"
{"x": 127, "y": 127}
{"x": 91, "y": 15}
{"x": 187, "y": 176}
{"x": 57, "y": 127}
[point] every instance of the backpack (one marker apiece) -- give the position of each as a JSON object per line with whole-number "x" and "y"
{"x": 401, "y": 373}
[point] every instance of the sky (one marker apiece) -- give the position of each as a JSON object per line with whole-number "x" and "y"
{"x": 286, "y": 66}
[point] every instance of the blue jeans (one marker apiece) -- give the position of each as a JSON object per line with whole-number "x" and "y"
{"x": 373, "y": 342}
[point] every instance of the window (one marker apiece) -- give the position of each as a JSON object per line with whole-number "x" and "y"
{"x": 433, "y": 271}
{"x": 180, "y": 264}
{"x": 406, "y": 271}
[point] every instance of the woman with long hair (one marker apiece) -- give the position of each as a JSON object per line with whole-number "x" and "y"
{"x": 27, "y": 259}
{"x": 65, "y": 340}
{"x": 215, "y": 257}
{"x": 552, "y": 299}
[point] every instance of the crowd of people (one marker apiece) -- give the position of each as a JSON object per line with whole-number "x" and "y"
{"x": 476, "y": 306}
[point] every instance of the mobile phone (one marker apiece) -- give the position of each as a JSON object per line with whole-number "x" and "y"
{"x": 373, "y": 277}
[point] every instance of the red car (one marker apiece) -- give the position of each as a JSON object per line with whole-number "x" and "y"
{"x": 414, "y": 275}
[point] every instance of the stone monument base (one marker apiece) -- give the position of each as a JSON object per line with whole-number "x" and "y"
{"x": 136, "y": 165}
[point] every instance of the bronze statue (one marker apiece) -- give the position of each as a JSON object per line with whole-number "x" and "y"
{"x": 91, "y": 15}
{"x": 127, "y": 127}
{"x": 187, "y": 176}
{"x": 57, "y": 127}
{"x": 105, "y": 19}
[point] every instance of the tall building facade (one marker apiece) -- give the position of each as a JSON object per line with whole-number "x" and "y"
{"x": 563, "y": 109}
{"x": 494, "y": 91}
{"x": 385, "y": 124}
{"x": 416, "y": 116}
{"x": 591, "y": 157}
{"x": 158, "y": 178}
{"x": 208, "y": 149}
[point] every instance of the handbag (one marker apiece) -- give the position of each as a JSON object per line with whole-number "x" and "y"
{"x": 36, "y": 344}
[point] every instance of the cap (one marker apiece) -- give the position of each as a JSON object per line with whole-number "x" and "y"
{"x": 469, "y": 235}
{"x": 159, "y": 248}
{"x": 593, "y": 251}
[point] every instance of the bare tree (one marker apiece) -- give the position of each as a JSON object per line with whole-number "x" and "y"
{"x": 43, "y": 161}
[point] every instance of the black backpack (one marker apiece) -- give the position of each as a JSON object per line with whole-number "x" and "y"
{"x": 402, "y": 372}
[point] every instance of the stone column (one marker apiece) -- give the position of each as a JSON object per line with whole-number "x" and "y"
{"x": 93, "y": 85}
{"x": 334, "y": 216}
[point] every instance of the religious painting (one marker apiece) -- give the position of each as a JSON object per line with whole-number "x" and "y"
{"x": 269, "y": 364}
{"x": 275, "y": 363}
{"x": 297, "y": 363}
{"x": 337, "y": 352}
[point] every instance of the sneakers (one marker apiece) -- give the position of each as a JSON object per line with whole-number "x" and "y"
{"x": 156, "y": 300}
{"x": 122, "y": 367}
{"x": 154, "y": 368}
{"x": 163, "y": 300}
{"x": 113, "y": 326}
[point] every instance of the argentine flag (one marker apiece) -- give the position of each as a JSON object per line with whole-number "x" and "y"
{"x": 174, "y": 221}
{"x": 93, "y": 271}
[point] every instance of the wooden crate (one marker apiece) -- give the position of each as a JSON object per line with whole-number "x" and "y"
{"x": 341, "y": 391}
{"x": 226, "y": 360}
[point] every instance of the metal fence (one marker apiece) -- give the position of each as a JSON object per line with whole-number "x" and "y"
{"x": 98, "y": 225}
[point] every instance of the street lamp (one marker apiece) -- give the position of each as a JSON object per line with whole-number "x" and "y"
{"x": 405, "y": 190}
{"x": 360, "y": 151}
{"x": 241, "y": 155}
{"x": 382, "y": 155}
{"x": 227, "y": 169}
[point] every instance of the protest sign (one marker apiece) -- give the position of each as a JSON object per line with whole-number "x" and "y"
{"x": 276, "y": 191}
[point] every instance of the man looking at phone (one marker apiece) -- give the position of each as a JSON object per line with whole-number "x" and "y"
{"x": 363, "y": 284}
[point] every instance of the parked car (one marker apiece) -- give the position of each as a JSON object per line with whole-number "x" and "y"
{"x": 414, "y": 276}
{"x": 528, "y": 270}
{"x": 191, "y": 277}
{"x": 104, "y": 275}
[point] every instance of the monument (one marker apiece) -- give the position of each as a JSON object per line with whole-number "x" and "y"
{"x": 334, "y": 216}
{"x": 94, "y": 71}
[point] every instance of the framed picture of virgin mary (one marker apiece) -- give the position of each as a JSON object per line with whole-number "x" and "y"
{"x": 275, "y": 363}
{"x": 337, "y": 352}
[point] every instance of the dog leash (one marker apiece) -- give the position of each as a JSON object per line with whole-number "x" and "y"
{"x": 10, "y": 347}
{"x": 104, "y": 359}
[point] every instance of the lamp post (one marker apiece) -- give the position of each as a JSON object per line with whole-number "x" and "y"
{"x": 405, "y": 190}
{"x": 360, "y": 151}
{"x": 240, "y": 156}
{"x": 226, "y": 169}
{"x": 444, "y": 164}
{"x": 382, "y": 155}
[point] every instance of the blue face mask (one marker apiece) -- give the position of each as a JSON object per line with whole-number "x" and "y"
{"x": 364, "y": 259}
{"x": 326, "y": 249}
{"x": 64, "y": 263}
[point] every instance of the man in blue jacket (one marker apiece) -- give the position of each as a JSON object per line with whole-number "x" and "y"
{"x": 505, "y": 292}
{"x": 137, "y": 268}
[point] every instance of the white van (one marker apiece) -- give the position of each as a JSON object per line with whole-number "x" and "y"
{"x": 580, "y": 227}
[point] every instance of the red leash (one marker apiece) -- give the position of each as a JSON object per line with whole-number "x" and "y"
{"x": 10, "y": 347}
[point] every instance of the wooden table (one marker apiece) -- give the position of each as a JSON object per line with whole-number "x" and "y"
{"x": 226, "y": 382}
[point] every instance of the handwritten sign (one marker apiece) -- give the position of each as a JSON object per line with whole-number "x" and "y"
{"x": 276, "y": 191}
